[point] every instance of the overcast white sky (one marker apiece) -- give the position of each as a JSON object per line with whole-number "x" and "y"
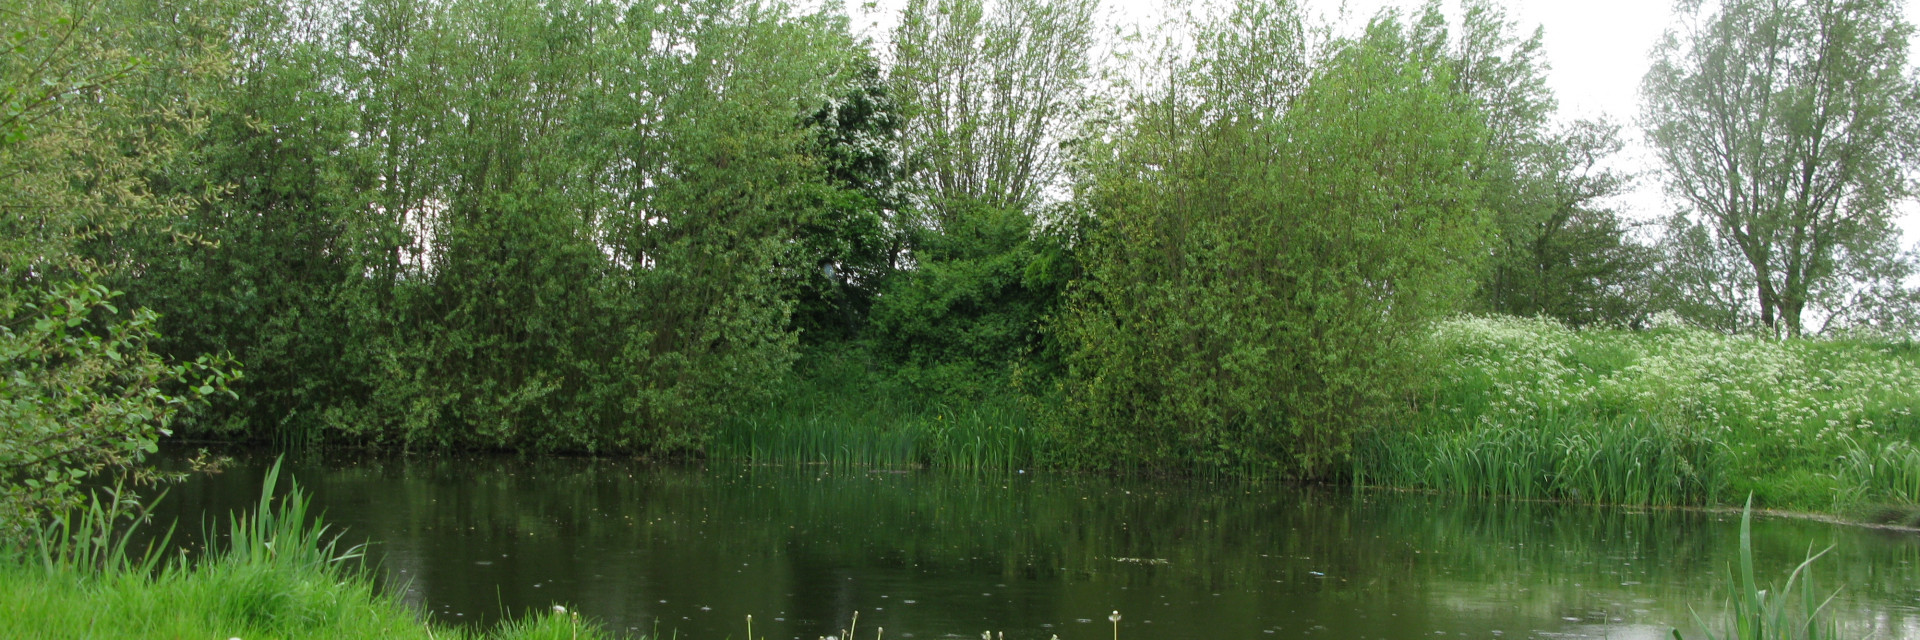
{"x": 1597, "y": 50}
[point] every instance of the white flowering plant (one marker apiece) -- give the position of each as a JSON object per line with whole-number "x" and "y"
{"x": 1727, "y": 414}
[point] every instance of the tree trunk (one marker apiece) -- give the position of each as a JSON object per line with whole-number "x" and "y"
{"x": 1768, "y": 301}
{"x": 1791, "y": 307}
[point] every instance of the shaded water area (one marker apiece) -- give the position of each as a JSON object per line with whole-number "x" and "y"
{"x": 692, "y": 551}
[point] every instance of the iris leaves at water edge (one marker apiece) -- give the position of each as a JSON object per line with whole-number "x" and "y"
{"x": 1763, "y": 614}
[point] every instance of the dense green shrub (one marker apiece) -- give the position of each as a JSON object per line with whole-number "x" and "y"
{"x": 540, "y": 226}
{"x": 969, "y": 318}
{"x": 1266, "y": 265}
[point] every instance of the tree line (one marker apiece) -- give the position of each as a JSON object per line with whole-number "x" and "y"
{"x": 600, "y": 226}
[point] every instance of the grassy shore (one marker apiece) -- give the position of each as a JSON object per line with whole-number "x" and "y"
{"x": 1669, "y": 416}
{"x": 281, "y": 575}
{"x": 1514, "y": 407}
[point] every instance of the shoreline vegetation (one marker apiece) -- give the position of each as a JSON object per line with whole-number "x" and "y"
{"x": 1672, "y": 415}
{"x": 280, "y": 571}
{"x": 740, "y": 230}
{"x": 1238, "y": 243}
{"x": 1517, "y": 408}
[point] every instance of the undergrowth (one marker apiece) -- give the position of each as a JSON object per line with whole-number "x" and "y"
{"x": 835, "y": 410}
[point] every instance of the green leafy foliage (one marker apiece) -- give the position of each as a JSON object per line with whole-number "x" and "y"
{"x": 987, "y": 90}
{"x": 541, "y": 226}
{"x": 968, "y": 319}
{"x": 82, "y": 125}
{"x": 847, "y": 247}
{"x": 594, "y": 226}
{"x": 81, "y": 393}
{"x": 1253, "y": 299}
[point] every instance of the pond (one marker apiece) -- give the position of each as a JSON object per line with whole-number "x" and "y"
{"x": 691, "y": 552}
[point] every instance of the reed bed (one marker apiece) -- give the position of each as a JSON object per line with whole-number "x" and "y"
{"x": 1623, "y": 462}
{"x": 1887, "y": 475}
{"x": 838, "y": 414}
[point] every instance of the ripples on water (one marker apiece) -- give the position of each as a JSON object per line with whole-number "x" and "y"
{"x": 933, "y": 555}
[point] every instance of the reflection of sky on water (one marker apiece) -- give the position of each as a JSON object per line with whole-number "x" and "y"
{"x": 931, "y": 555}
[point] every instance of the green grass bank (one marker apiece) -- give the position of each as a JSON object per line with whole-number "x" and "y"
{"x": 1673, "y": 415}
{"x": 281, "y": 574}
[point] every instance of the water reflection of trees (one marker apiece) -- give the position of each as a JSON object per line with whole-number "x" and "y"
{"x": 620, "y": 537}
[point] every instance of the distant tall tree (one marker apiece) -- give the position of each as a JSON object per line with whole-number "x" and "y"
{"x": 615, "y": 187}
{"x": 1698, "y": 279}
{"x": 845, "y": 250}
{"x": 1789, "y": 127}
{"x": 525, "y": 224}
{"x": 1874, "y": 291}
{"x": 1559, "y": 251}
{"x": 281, "y": 258}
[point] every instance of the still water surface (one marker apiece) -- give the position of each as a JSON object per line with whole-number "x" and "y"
{"x": 926, "y": 555}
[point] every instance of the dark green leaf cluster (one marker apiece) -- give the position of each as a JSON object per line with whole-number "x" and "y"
{"x": 541, "y": 226}
{"x": 1260, "y": 275}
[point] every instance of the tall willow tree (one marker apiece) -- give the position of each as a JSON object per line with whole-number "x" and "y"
{"x": 1264, "y": 264}
{"x": 989, "y": 87}
{"x": 611, "y": 188}
{"x": 1788, "y": 127}
{"x": 721, "y": 176}
{"x": 988, "y": 90}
